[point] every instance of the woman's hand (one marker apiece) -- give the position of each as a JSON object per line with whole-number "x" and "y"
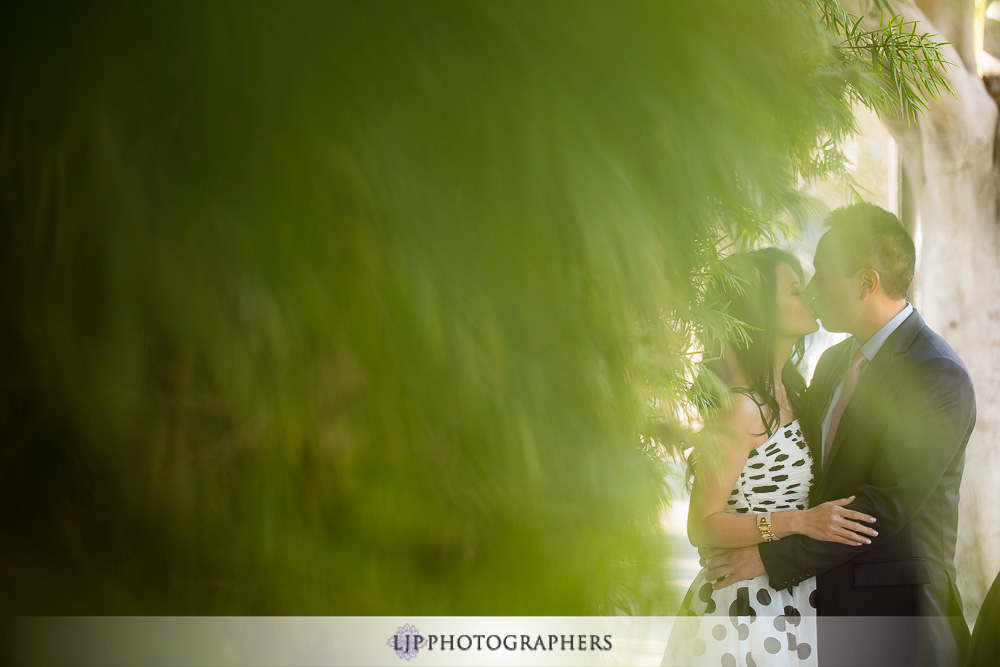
{"x": 832, "y": 522}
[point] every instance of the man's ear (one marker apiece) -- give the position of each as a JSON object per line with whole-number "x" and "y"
{"x": 869, "y": 281}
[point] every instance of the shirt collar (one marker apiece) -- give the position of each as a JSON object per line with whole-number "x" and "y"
{"x": 875, "y": 343}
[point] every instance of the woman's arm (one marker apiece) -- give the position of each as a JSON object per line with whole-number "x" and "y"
{"x": 742, "y": 429}
{"x": 710, "y": 526}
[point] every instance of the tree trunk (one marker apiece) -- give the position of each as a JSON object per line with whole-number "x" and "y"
{"x": 949, "y": 159}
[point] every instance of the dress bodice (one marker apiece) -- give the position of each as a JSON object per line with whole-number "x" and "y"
{"x": 750, "y": 623}
{"x": 777, "y": 475}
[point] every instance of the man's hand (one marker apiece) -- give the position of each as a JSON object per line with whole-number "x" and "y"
{"x": 728, "y": 566}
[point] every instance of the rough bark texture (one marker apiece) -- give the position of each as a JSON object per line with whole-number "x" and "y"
{"x": 950, "y": 159}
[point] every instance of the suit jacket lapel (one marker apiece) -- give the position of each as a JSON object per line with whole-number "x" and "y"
{"x": 820, "y": 393}
{"x": 871, "y": 378}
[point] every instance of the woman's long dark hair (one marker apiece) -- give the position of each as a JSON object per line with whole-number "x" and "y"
{"x": 752, "y": 299}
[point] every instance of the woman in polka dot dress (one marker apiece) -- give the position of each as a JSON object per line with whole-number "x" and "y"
{"x": 754, "y": 486}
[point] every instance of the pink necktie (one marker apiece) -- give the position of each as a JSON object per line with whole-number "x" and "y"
{"x": 850, "y": 382}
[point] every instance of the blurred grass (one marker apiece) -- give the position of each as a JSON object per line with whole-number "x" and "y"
{"x": 333, "y": 308}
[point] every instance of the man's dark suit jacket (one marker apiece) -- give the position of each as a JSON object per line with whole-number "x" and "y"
{"x": 900, "y": 448}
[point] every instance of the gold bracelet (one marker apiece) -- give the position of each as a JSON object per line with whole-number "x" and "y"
{"x": 764, "y": 526}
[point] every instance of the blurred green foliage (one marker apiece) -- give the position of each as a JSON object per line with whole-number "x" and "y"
{"x": 373, "y": 308}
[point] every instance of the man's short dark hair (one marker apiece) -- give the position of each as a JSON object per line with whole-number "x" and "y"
{"x": 869, "y": 237}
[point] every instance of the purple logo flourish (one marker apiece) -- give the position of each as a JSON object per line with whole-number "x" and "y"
{"x": 406, "y": 642}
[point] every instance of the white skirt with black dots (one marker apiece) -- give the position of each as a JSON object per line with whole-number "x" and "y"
{"x": 748, "y": 623}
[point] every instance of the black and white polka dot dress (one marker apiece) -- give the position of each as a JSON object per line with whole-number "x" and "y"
{"x": 750, "y": 623}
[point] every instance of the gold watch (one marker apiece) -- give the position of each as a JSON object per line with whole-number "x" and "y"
{"x": 764, "y": 526}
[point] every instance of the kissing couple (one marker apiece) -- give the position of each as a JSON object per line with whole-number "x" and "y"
{"x": 827, "y": 523}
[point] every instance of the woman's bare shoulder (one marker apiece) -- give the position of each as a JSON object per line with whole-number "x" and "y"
{"x": 745, "y": 418}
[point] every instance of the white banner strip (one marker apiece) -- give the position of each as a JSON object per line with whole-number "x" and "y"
{"x": 420, "y": 641}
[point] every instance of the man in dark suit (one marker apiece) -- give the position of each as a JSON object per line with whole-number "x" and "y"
{"x": 889, "y": 413}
